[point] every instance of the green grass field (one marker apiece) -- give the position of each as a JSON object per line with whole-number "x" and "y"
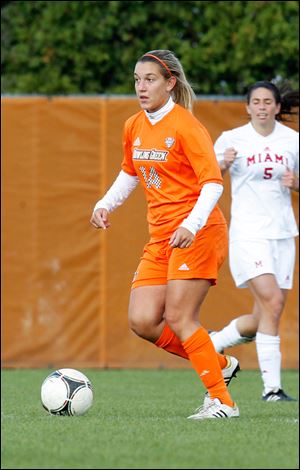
{"x": 138, "y": 420}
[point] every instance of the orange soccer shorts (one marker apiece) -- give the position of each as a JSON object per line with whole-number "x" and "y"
{"x": 202, "y": 260}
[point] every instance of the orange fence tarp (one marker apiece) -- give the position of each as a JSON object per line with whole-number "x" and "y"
{"x": 65, "y": 286}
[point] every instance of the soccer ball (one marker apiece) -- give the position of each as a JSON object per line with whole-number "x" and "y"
{"x": 67, "y": 392}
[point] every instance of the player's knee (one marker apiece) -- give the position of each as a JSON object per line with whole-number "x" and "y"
{"x": 278, "y": 303}
{"x": 178, "y": 322}
{"x": 173, "y": 318}
{"x": 141, "y": 326}
{"x": 135, "y": 324}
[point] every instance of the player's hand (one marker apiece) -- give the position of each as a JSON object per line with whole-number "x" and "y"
{"x": 290, "y": 180}
{"x": 99, "y": 219}
{"x": 229, "y": 156}
{"x": 181, "y": 238}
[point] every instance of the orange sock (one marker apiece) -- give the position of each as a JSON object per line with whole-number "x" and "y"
{"x": 222, "y": 360}
{"x": 204, "y": 359}
{"x": 171, "y": 343}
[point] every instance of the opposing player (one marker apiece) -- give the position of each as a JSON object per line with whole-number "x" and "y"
{"x": 169, "y": 152}
{"x": 263, "y": 160}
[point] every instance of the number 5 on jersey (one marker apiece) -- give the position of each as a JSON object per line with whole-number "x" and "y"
{"x": 268, "y": 173}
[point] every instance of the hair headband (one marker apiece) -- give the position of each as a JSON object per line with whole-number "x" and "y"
{"x": 161, "y": 61}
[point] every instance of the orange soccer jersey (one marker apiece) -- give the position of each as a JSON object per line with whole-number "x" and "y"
{"x": 173, "y": 159}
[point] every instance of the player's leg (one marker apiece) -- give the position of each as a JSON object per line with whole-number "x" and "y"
{"x": 183, "y": 301}
{"x": 240, "y": 330}
{"x": 146, "y": 319}
{"x": 147, "y": 306}
{"x": 270, "y": 300}
{"x": 186, "y": 291}
{"x": 171, "y": 343}
{"x": 146, "y": 310}
{"x": 247, "y": 260}
{"x": 147, "y": 302}
{"x": 147, "y": 297}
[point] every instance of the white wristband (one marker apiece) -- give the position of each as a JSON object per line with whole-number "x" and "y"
{"x": 207, "y": 200}
{"x": 119, "y": 191}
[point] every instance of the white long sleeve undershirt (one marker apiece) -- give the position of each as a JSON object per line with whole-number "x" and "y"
{"x": 207, "y": 200}
{"x": 124, "y": 184}
{"x": 119, "y": 191}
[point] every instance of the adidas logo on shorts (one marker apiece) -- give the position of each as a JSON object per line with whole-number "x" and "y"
{"x": 183, "y": 267}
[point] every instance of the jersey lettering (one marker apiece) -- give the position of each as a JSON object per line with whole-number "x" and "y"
{"x": 153, "y": 154}
{"x": 262, "y": 158}
{"x": 268, "y": 173}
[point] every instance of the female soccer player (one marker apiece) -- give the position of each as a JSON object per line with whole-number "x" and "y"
{"x": 171, "y": 154}
{"x": 263, "y": 160}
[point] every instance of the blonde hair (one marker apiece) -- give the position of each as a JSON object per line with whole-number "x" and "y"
{"x": 182, "y": 92}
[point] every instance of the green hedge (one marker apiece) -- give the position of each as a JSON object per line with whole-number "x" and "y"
{"x": 70, "y": 47}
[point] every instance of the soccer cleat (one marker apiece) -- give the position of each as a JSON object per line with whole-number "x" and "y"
{"x": 228, "y": 372}
{"x": 207, "y": 401}
{"x": 231, "y": 369}
{"x": 216, "y": 409}
{"x": 279, "y": 395}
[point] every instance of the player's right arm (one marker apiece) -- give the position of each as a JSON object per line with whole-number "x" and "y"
{"x": 229, "y": 156}
{"x": 225, "y": 152}
{"x": 115, "y": 196}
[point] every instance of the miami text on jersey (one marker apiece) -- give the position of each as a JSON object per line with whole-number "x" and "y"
{"x": 267, "y": 157}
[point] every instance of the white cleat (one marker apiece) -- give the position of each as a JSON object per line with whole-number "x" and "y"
{"x": 231, "y": 369}
{"x": 215, "y": 409}
{"x": 207, "y": 401}
{"x": 228, "y": 372}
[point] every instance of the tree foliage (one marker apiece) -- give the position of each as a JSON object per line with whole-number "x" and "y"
{"x": 90, "y": 47}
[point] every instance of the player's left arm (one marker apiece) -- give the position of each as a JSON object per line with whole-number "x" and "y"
{"x": 183, "y": 237}
{"x": 290, "y": 180}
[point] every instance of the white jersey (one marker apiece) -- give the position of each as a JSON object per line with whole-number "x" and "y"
{"x": 261, "y": 206}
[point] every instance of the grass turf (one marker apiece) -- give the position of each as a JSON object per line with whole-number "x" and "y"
{"x": 138, "y": 420}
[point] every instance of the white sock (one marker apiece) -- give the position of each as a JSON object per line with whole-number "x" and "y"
{"x": 228, "y": 337}
{"x": 269, "y": 359}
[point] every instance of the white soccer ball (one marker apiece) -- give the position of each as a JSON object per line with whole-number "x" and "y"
{"x": 67, "y": 392}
